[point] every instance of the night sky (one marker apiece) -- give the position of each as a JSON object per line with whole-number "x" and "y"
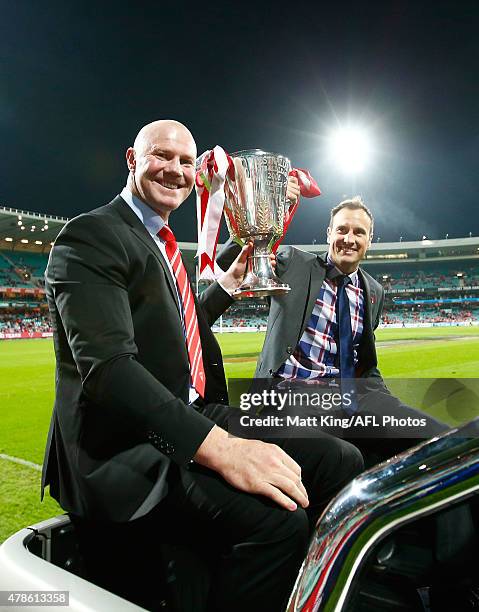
{"x": 78, "y": 79}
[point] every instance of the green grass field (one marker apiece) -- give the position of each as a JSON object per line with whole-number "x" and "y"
{"x": 443, "y": 361}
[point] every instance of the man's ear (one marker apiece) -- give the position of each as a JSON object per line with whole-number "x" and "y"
{"x": 130, "y": 159}
{"x": 328, "y": 235}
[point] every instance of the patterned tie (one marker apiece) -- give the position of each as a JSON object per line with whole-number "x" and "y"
{"x": 192, "y": 334}
{"x": 346, "y": 348}
{"x": 346, "y": 354}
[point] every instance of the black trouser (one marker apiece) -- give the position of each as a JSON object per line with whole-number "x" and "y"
{"x": 365, "y": 426}
{"x": 380, "y": 443}
{"x": 252, "y": 548}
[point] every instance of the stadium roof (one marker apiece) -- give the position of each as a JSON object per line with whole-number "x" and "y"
{"x": 28, "y": 231}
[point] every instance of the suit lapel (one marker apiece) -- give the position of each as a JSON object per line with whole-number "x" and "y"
{"x": 371, "y": 298}
{"x": 317, "y": 275}
{"x": 370, "y": 301}
{"x": 142, "y": 234}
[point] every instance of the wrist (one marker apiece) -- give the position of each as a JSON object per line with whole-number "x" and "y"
{"x": 213, "y": 449}
{"x": 229, "y": 282}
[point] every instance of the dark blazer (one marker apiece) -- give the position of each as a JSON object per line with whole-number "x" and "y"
{"x": 122, "y": 374}
{"x": 289, "y": 314}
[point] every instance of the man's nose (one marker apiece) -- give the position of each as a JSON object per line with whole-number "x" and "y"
{"x": 349, "y": 237}
{"x": 173, "y": 166}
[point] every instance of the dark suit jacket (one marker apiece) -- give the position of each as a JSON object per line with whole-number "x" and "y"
{"x": 122, "y": 375}
{"x": 289, "y": 314}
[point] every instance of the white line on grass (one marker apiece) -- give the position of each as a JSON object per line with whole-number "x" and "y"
{"x": 29, "y": 464}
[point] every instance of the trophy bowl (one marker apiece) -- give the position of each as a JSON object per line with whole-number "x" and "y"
{"x": 255, "y": 207}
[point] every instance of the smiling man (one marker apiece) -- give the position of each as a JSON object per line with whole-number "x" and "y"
{"x": 306, "y": 347}
{"x": 322, "y": 331}
{"x": 138, "y": 451}
{"x": 349, "y": 234}
{"x": 161, "y": 163}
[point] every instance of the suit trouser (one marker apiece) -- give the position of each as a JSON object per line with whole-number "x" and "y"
{"x": 380, "y": 443}
{"x": 367, "y": 427}
{"x": 252, "y": 548}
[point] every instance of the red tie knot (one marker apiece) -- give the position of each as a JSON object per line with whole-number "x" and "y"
{"x": 166, "y": 234}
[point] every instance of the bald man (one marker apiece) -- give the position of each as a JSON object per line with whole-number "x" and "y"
{"x": 138, "y": 451}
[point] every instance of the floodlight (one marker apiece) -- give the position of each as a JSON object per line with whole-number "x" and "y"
{"x": 351, "y": 149}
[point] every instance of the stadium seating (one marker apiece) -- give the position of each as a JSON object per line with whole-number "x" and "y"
{"x": 401, "y": 282}
{"x": 437, "y": 315}
{"x": 10, "y": 267}
{"x": 434, "y": 277}
{"x": 35, "y": 262}
{"x": 18, "y": 323}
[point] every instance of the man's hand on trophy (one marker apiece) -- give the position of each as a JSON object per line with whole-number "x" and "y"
{"x": 292, "y": 190}
{"x": 233, "y": 277}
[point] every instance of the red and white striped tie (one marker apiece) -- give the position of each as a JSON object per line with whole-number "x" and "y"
{"x": 193, "y": 341}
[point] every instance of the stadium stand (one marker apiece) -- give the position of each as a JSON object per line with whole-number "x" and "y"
{"x": 427, "y": 282}
{"x": 435, "y": 293}
{"x": 34, "y": 263}
{"x": 20, "y": 323}
{"x": 25, "y": 241}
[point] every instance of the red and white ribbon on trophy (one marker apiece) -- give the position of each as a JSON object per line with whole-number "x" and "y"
{"x": 213, "y": 167}
{"x": 210, "y": 199}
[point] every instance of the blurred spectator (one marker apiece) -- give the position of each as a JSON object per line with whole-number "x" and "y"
{"x": 18, "y": 323}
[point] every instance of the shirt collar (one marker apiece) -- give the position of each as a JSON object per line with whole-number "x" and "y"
{"x": 335, "y": 272}
{"x": 150, "y": 219}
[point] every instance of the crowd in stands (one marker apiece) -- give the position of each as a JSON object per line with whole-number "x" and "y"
{"x": 407, "y": 315}
{"x": 253, "y": 314}
{"x": 247, "y": 313}
{"x": 257, "y": 322}
{"x": 15, "y": 323}
{"x": 429, "y": 280}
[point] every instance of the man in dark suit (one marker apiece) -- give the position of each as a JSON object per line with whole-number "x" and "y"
{"x": 138, "y": 446}
{"x": 349, "y": 236}
{"x": 305, "y": 340}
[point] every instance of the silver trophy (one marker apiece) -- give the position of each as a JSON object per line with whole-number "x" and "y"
{"x": 255, "y": 207}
